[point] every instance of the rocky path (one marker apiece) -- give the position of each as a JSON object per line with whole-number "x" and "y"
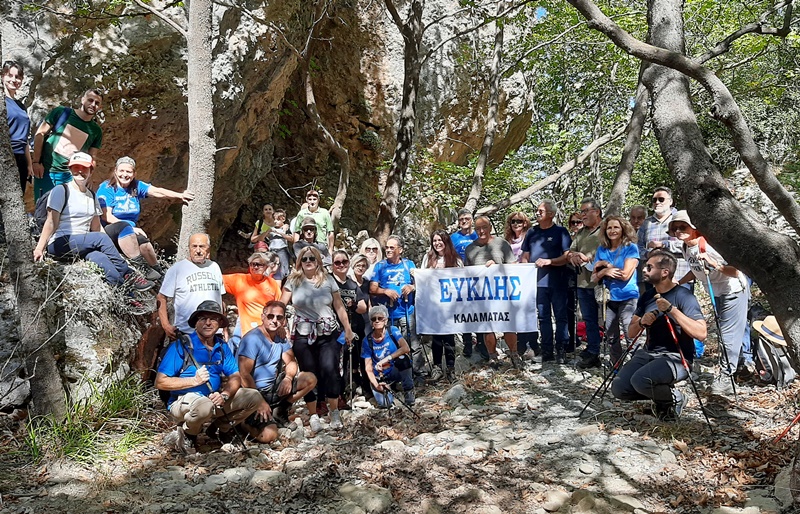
{"x": 493, "y": 442}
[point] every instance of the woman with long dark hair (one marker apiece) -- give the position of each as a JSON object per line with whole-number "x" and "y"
{"x": 442, "y": 254}
{"x": 615, "y": 265}
{"x": 317, "y": 305}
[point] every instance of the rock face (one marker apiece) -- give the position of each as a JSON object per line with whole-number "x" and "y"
{"x": 268, "y": 149}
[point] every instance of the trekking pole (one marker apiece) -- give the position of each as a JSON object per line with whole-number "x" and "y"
{"x": 688, "y": 369}
{"x": 783, "y": 434}
{"x": 402, "y": 400}
{"x": 606, "y": 384}
{"x": 351, "y": 375}
{"x": 421, "y": 346}
{"x": 722, "y": 348}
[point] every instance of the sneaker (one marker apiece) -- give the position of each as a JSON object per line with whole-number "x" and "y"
{"x": 436, "y": 374}
{"x": 589, "y": 361}
{"x": 180, "y": 440}
{"x": 137, "y": 308}
{"x": 315, "y": 424}
{"x": 516, "y": 361}
{"x": 137, "y": 283}
{"x": 721, "y": 385}
{"x": 529, "y": 355}
{"x": 336, "y": 420}
{"x": 409, "y": 398}
{"x": 494, "y": 362}
{"x": 672, "y": 411}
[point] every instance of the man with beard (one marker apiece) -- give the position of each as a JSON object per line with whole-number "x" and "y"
{"x": 653, "y": 232}
{"x": 189, "y": 283}
{"x": 672, "y": 317}
{"x": 64, "y": 132}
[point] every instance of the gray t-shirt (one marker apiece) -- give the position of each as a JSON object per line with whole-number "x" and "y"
{"x": 497, "y": 250}
{"x": 311, "y": 302}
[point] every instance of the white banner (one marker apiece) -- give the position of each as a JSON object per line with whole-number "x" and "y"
{"x": 480, "y": 299}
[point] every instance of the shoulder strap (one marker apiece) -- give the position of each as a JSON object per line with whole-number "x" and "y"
{"x": 258, "y": 226}
{"x": 408, "y": 270}
{"x": 66, "y": 197}
{"x": 188, "y": 353}
{"x": 702, "y": 243}
{"x": 61, "y": 122}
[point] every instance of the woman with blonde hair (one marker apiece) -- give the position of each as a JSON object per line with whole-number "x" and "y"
{"x": 317, "y": 303}
{"x": 372, "y": 249}
{"x": 517, "y": 225}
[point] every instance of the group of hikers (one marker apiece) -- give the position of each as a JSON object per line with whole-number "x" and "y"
{"x": 313, "y": 319}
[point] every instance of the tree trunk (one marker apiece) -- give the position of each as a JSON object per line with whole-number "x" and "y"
{"x": 491, "y": 114}
{"x": 412, "y": 31}
{"x": 200, "y": 104}
{"x": 47, "y": 391}
{"x": 630, "y": 152}
{"x": 341, "y": 153}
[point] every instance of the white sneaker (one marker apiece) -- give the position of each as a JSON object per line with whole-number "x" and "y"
{"x": 336, "y": 420}
{"x": 528, "y": 355}
{"x": 315, "y": 424}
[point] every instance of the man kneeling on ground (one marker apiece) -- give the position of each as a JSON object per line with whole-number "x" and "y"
{"x": 672, "y": 317}
{"x": 192, "y": 369}
{"x": 267, "y": 363}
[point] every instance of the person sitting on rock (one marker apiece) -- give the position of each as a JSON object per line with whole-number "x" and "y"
{"x": 672, "y": 317}
{"x": 386, "y": 359}
{"x": 267, "y": 363}
{"x": 191, "y": 370}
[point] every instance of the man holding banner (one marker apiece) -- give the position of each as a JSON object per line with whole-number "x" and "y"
{"x": 488, "y": 250}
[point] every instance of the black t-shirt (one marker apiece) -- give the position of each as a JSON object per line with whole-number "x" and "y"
{"x": 351, "y": 294}
{"x": 660, "y": 336}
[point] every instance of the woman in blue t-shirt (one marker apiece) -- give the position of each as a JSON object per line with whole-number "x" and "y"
{"x": 19, "y": 124}
{"x": 615, "y": 265}
{"x": 119, "y": 199}
{"x": 387, "y": 360}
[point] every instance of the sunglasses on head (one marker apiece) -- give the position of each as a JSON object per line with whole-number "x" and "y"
{"x": 308, "y": 258}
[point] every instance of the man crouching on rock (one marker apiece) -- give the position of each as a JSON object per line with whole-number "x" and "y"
{"x": 191, "y": 370}
{"x": 267, "y": 364}
{"x": 673, "y": 319}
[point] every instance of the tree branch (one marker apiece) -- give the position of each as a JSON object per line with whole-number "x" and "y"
{"x": 562, "y": 170}
{"x": 724, "y": 107}
{"x": 163, "y": 17}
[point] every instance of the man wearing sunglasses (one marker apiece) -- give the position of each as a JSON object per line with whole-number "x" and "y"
{"x": 192, "y": 370}
{"x": 653, "y": 234}
{"x": 267, "y": 363}
{"x": 672, "y": 317}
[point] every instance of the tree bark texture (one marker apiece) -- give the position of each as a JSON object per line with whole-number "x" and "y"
{"x": 412, "y": 31}
{"x": 200, "y": 105}
{"x": 724, "y": 107}
{"x": 47, "y": 391}
{"x": 491, "y": 115}
{"x": 630, "y": 151}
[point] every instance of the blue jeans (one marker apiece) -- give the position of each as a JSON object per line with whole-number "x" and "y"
{"x": 552, "y": 300}
{"x": 406, "y": 379}
{"x": 589, "y": 310}
{"x": 95, "y": 247}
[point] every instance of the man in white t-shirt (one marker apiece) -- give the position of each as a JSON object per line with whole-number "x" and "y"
{"x": 189, "y": 283}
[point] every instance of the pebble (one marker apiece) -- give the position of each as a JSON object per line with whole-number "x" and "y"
{"x": 625, "y": 503}
{"x": 554, "y": 500}
{"x": 667, "y": 457}
{"x": 586, "y": 468}
{"x": 266, "y": 478}
{"x": 392, "y": 445}
{"x": 371, "y": 498}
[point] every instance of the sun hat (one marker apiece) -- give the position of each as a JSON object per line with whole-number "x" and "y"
{"x": 678, "y": 217}
{"x": 770, "y": 329}
{"x": 209, "y": 307}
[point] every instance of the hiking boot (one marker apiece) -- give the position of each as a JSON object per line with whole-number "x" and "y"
{"x": 281, "y": 416}
{"x": 336, "y": 420}
{"x": 721, "y": 385}
{"x": 436, "y": 374}
{"x": 450, "y": 374}
{"x": 214, "y": 433}
{"x": 181, "y": 441}
{"x": 315, "y": 424}
{"x": 137, "y": 283}
{"x": 548, "y": 357}
{"x": 589, "y": 361}
{"x": 145, "y": 269}
{"x": 409, "y": 398}
{"x": 516, "y": 361}
{"x": 672, "y": 411}
{"x": 561, "y": 357}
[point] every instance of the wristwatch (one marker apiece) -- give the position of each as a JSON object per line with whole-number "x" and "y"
{"x": 225, "y": 396}
{"x": 669, "y": 309}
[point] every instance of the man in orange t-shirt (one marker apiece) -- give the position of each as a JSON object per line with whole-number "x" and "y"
{"x": 252, "y": 290}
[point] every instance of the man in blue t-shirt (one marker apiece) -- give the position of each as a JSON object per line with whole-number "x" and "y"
{"x": 461, "y": 239}
{"x": 194, "y": 381}
{"x": 267, "y": 363}
{"x": 547, "y": 246}
{"x": 392, "y": 285}
{"x": 673, "y": 319}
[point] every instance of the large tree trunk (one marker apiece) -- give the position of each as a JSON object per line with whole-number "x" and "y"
{"x": 202, "y": 143}
{"x": 491, "y": 114}
{"x": 630, "y": 151}
{"x": 412, "y": 31}
{"x": 47, "y": 392}
{"x": 769, "y": 258}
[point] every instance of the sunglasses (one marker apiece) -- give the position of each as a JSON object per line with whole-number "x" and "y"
{"x": 377, "y": 319}
{"x": 371, "y": 249}
{"x": 682, "y": 228}
{"x": 517, "y": 222}
{"x": 576, "y": 222}
{"x": 341, "y": 263}
{"x": 278, "y": 317}
{"x": 308, "y": 258}
{"x": 650, "y": 267}
{"x": 659, "y": 199}
{"x": 310, "y": 229}
{"x": 258, "y": 265}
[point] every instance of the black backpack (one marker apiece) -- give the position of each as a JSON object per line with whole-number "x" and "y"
{"x": 184, "y": 342}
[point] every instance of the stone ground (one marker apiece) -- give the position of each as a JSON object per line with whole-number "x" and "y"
{"x": 493, "y": 442}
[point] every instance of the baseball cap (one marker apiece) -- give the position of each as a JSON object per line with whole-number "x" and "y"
{"x": 81, "y": 159}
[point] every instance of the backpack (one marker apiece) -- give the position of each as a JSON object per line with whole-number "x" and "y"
{"x": 40, "y": 211}
{"x": 772, "y": 363}
{"x": 185, "y": 342}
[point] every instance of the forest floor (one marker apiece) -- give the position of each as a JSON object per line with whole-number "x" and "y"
{"x": 492, "y": 442}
